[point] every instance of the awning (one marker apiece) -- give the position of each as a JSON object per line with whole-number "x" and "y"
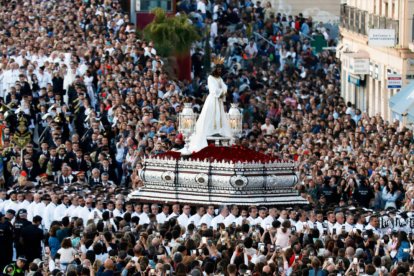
{"x": 403, "y": 101}
{"x": 410, "y": 114}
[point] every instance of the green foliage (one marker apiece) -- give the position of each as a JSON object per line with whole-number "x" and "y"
{"x": 171, "y": 34}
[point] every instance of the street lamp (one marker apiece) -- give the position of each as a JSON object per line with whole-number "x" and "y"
{"x": 186, "y": 124}
{"x": 235, "y": 120}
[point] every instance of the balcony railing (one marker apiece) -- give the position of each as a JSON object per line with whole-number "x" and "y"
{"x": 360, "y": 21}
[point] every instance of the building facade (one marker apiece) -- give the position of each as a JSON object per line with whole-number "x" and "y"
{"x": 371, "y": 64}
{"x": 326, "y": 11}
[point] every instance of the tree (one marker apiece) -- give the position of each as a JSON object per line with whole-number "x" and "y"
{"x": 172, "y": 35}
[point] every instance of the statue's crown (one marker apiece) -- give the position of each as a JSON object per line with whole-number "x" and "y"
{"x": 218, "y": 60}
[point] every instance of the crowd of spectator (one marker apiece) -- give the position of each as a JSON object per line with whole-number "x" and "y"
{"x": 93, "y": 98}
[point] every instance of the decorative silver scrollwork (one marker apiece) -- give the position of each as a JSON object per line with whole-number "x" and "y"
{"x": 168, "y": 177}
{"x": 201, "y": 179}
{"x": 239, "y": 181}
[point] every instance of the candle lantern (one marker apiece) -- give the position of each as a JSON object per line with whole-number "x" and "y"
{"x": 186, "y": 124}
{"x": 235, "y": 120}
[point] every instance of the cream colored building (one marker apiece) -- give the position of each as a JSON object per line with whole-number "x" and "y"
{"x": 320, "y": 10}
{"x": 366, "y": 67}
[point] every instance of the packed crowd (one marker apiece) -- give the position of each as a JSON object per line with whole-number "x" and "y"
{"x": 84, "y": 99}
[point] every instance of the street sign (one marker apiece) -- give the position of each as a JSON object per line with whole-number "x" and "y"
{"x": 394, "y": 81}
{"x": 381, "y": 37}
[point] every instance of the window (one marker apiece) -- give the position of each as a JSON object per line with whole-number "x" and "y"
{"x": 148, "y": 5}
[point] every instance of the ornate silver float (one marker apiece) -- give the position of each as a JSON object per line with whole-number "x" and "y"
{"x": 214, "y": 181}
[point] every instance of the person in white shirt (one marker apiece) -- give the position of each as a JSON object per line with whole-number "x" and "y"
{"x": 208, "y": 217}
{"x": 360, "y": 223}
{"x": 175, "y": 212}
{"x": 251, "y": 49}
{"x": 292, "y": 217}
{"x": 301, "y": 224}
{"x": 213, "y": 30}
{"x": 37, "y": 199}
{"x": 49, "y": 212}
{"x": 349, "y": 224}
{"x": 224, "y": 212}
{"x": 232, "y": 216}
{"x": 252, "y": 215}
{"x": 22, "y": 203}
{"x": 268, "y": 127}
{"x": 201, "y": 6}
{"x": 11, "y": 203}
{"x": 3, "y": 196}
{"x": 162, "y": 217}
{"x": 118, "y": 211}
{"x": 144, "y": 218}
{"x": 183, "y": 219}
{"x": 97, "y": 212}
{"x": 330, "y": 221}
{"x": 73, "y": 208}
{"x": 339, "y": 225}
{"x": 61, "y": 209}
{"x": 86, "y": 211}
{"x": 44, "y": 78}
{"x": 195, "y": 219}
{"x": 243, "y": 217}
{"x": 155, "y": 209}
{"x": 261, "y": 217}
{"x": 373, "y": 225}
{"x": 267, "y": 221}
{"x": 283, "y": 216}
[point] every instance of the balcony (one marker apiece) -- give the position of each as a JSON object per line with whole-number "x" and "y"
{"x": 359, "y": 21}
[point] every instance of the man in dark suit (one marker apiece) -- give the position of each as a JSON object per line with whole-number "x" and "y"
{"x": 79, "y": 163}
{"x": 66, "y": 178}
{"x": 54, "y": 161}
{"x": 105, "y": 167}
{"x": 95, "y": 178}
{"x": 30, "y": 168}
{"x": 25, "y": 89}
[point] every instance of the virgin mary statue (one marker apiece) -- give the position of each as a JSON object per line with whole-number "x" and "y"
{"x": 213, "y": 120}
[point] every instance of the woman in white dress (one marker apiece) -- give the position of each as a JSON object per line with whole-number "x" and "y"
{"x": 213, "y": 120}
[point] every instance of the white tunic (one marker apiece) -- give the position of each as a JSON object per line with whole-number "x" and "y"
{"x": 195, "y": 219}
{"x": 144, "y": 219}
{"x": 267, "y": 221}
{"x": 23, "y": 204}
{"x": 207, "y": 219}
{"x": 213, "y": 119}
{"x": 13, "y": 205}
{"x": 49, "y": 214}
{"x": 229, "y": 220}
{"x": 60, "y": 212}
{"x": 161, "y": 218}
{"x": 183, "y": 220}
{"x": 216, "y": 220}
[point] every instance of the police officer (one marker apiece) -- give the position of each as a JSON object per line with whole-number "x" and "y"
{"x": 16, "y": 269}
{"x": 20, "y": 223}
{"x": 31, "y": 237}
{"x": 6, "y": 242}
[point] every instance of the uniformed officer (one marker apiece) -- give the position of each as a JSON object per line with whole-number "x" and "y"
{"x": 20, "y": 223}
{"x": 17, "y": 268}
{"x": 31, "y": 237}
{"x": 6, "y": 242}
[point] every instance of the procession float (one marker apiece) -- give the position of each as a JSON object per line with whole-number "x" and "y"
{"x": 210, "y": 169}
{"x": 220, "y": 173}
